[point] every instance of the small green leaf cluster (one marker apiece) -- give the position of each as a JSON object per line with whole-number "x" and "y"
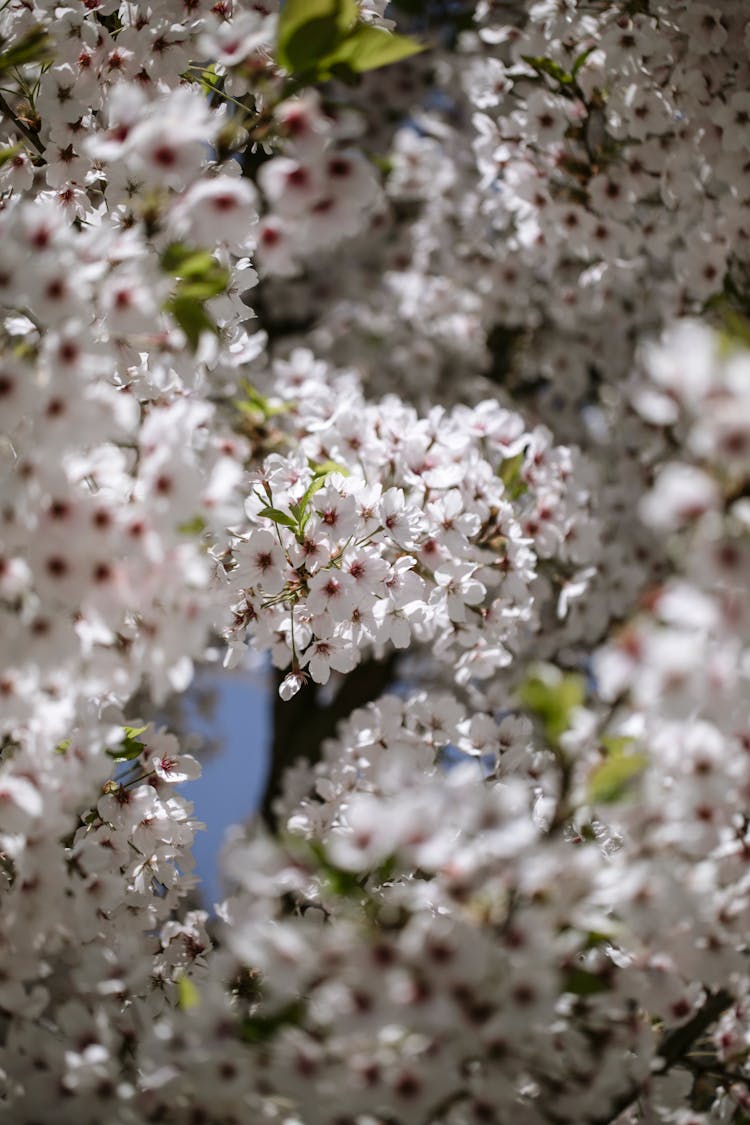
{"x": 551, "y": 696}
{"x": 510, "y": 474}
{"x": 336, "y": 880}
{"x": 187, "y": 994}
{"x": 318, "y": 39}
{"x": 730, "y": 309}
{"x": 611, "y": 780}
{"x": 257, "y": 407}
{"x": 8, "y": 153}
{"x": 129, "y": 747}
{"x": 34, "y": 47}
{"x": 195, "y": 526}
{"x": 200, "y": 277}
{"x": 565, "y": 81}
{"x": 300, "y": 511}
{"x": 209, "y": 81}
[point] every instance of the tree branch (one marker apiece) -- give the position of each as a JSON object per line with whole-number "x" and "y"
{"x": 677, "y": 1043}
{"x": 674, "y": 1047}
{"x": 301, "y": 724}
{"x": 8, "y": 112}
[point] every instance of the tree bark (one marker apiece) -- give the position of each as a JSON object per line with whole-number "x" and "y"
{"x": 301, "y": 725}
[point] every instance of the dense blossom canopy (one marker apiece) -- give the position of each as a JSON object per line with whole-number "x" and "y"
{"x": 369, "y": 335}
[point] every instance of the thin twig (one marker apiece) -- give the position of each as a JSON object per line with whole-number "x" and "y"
{"x": 674, "y": 1047}
{"x": 6, "y": 111}
{"x": 677, "y": 1043}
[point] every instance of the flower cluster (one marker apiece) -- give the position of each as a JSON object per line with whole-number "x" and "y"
{"x": 385, "y": 527}
{"x": 89, "y": 936}
{"x": 516, "y": 913}
{"x": 579, "y": 182}
{"x": 319, "y": 191}
{"x": 97, "y": 498}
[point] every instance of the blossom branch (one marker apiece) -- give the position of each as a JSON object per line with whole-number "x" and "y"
{"x": 28, "y": 133}
{"x": 674, "y": 1049}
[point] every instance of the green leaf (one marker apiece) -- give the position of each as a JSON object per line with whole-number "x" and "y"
{"x": 510, "y": 474}
{"x": 205, "y": 288}
{"x": 127, "y": 752}
{"x": 310, "y": 29}
{"x": 611, "y": 780}
{"x": 595, "y": 938}
{"x": 34, "y": 47}
{"x": 342, "y": 884}
{"x": 583, "y": 983}
{"x": 130, "y": 747}
{"x": 201, "y": 278}
{"x": 367, "y": 48}
{"x": 309, "y": 45}
{"x": 187, "y": 994}
{"x": 552, "y": 695}
{"x": 185, "y": 261}
{"x": 278, "y": 517}
{"x": 735, "y": 327}
{"x": 193, "y": 265}
{"x": 386, "y": 870}
{"x": 191, "y": 317}
{"x": 580, "y": 60}
{"x": 210, "y": 80}
{"x": 296, "y": 14}
{"x": 339, "y": 882}
{"x": 300, "y": 509}
{"x": 321, "y": 471}
{"x": 318, "y": 38}
{"x": 133, "y": 732}
{"x": 254, "y": 396}
{"x": 195, "y": 526}
{"x": 341, "y": 71}
{"x": 8, "y": 153}
{"x": 62, "y": 747}
{"x": 617, "y": 743}
{"x": 255, "y": 403}
{"x": 549, "y": 67}
{"x": 250, "y": 410}
{"x": 323, "y": 468}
